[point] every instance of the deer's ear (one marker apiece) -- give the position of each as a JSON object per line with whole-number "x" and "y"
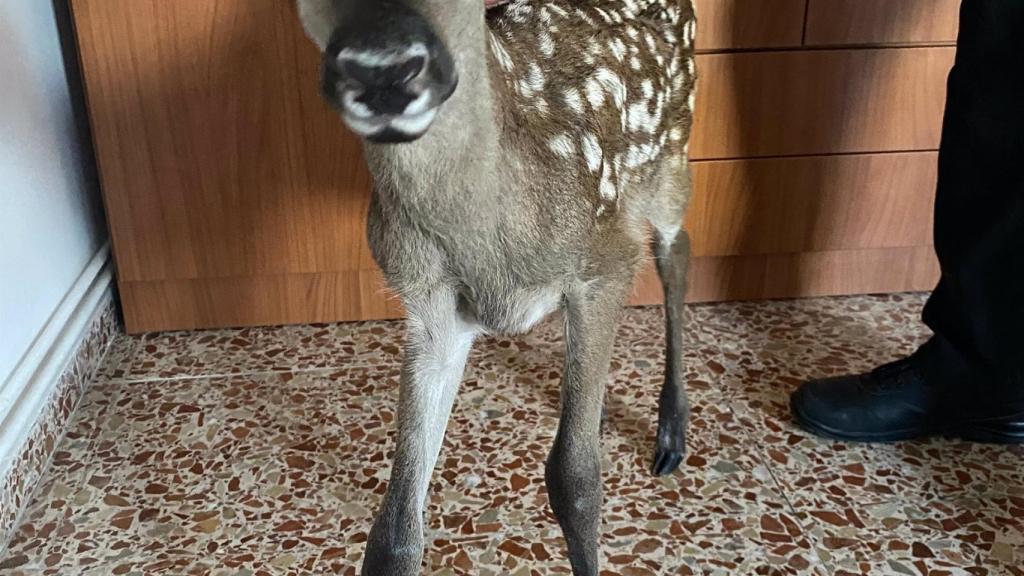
{"x": 493, "y": 3}
{"x": 319, "y": 18}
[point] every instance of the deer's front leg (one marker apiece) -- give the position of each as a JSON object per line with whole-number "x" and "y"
{"x": 435, "y": 357}
{"x": 574, "y": 467}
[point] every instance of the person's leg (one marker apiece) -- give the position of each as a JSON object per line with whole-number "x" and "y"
{"x": 978, "y": 306}
{"x": 969, "y": 379}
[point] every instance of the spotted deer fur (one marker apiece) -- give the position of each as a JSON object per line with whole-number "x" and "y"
{"x": 535, "y": 188}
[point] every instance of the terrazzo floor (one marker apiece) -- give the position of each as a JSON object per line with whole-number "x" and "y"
{"x": 264, "y": 451}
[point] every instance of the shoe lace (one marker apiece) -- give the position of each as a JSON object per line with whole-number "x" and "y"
{"x": 895, "y": 374}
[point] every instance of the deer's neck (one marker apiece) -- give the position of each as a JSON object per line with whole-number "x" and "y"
{"x": 447, "y": 164}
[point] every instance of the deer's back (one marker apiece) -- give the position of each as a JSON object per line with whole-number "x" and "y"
{"x": 601, "y": 90}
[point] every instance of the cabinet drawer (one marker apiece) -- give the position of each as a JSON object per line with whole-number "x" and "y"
{"x": 820, "y": 102}
{"x": 732, "y": 24}
{"x": 869, "y": 271}
{"x": 833, "y": 22}
{"x": 812, "y": 204}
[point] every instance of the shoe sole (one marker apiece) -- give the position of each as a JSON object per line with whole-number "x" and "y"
{"x": 999, "y": 431}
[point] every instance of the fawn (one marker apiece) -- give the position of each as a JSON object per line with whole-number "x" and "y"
{"x": 521, "y": 156}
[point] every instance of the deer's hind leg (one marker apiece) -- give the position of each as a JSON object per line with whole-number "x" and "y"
{"x": 672, "y": 254}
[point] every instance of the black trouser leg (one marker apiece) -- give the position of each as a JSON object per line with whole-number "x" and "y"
{"x": 968, "y": 381}
{"x": 977, "y": 310}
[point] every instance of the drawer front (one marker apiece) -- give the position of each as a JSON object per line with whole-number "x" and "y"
{"x": 219, "y": 159}
{"x": 869, "y": 271}
{"x": 837, "y": 22}
{"x": 235, "y": 197}
{"x": 820, "y": 102}
{"x": 734, "y": 24}
{"x": 815, "y": 204}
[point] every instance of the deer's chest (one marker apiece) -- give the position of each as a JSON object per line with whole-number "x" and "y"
{"x": 508, "y": 310}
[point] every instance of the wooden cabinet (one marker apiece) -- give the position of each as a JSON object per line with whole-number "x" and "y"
{"x": 860, "y": 22}
{"x": 819, "y": 102}
{"x": 734, "y": 24}
{"x": 235, "y": 197}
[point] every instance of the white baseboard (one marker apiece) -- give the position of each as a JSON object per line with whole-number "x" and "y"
{"x": 32, "y": 383}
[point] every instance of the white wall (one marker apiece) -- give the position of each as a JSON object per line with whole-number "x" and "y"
{"x": 50, "y": 217}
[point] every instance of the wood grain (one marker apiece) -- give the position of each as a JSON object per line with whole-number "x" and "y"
{"x": 772, "y": 276}
{"x": 255, "y": 301}
{"x": 820, "y": 102}
{"x": 744, "y": 24}
{"x": 821, "y": 203}
{"x": 218, "y": 156}
{"x": 235, "y": 197}
{"x": 349, "y": 296}
{"x": 874, "y": 22}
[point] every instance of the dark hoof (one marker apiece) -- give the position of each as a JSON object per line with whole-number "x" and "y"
{"x": 669, "y": 451}
{"x": 666, "y": 461}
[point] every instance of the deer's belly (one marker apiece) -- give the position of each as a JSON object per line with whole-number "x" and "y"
{"x": 513, "y": 312}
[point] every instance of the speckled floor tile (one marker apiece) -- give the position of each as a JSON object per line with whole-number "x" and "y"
{"x": 954, "y": 536}
{"x": 266, "y": 451}
{"x": 255, "y": 350}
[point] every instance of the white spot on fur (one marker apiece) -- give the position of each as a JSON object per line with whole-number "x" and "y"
{"x": 536, "y": 78}
{"x": 545, "y": 15}
{"x": 562, "y": 146}
{"x": 673, "y": 66}
{"x": 547, "y": 44}
{"x": 586, "y": 18}
{"x": 647, "y": 89}
{"x": 595, "y": 94}
{"x": 557, "y": 10}
{"x": 524, "y": 89}
{"x": 618, "y": 49}
{"x": 592, "y": 152}
{"x": 639, "y": 116}
{"x": 520, "y": 12}
{"x": 607, "y": 188}
{"x": 574, "y": 100}
{"x": 689, "y": 32}
{"x": 650, "y": 42}
{"x": 613, "y": 84}
{"x": 633, "y": 157}
{"x": 541, "y": 105}
{"x": 500, "y": 53}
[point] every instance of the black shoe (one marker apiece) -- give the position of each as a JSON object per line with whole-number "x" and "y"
{"x": 897, "y": 402}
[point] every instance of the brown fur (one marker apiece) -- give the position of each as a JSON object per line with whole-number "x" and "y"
{"x": 519, "y": 199}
